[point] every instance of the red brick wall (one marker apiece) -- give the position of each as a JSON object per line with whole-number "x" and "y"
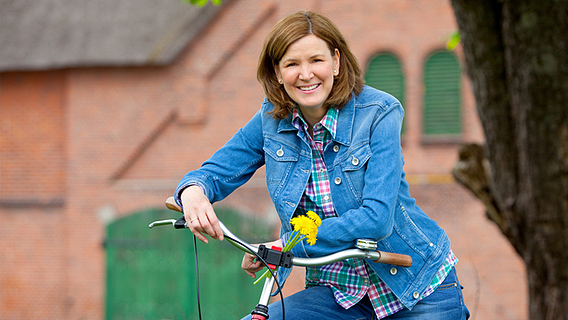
{"x": 32, "y": 140}
{"x": 32, "y": 190}
{"x": 113, "y": 141}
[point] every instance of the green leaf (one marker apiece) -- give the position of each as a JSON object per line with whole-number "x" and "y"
{"x": 201, "y": 3}
{"x": 453, "y": 41}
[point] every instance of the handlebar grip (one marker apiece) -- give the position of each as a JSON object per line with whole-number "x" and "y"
{"x": 172, "y": 205}
{"x": 396, "y": 259}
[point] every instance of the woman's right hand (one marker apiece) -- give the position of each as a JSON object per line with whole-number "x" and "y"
{"x": 199, "y": 214}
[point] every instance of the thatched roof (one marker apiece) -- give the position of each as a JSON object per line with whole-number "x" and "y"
{"x": 52, "y": 34}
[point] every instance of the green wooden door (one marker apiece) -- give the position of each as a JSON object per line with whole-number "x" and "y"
{"x": 442, "y": 100}
{"x": 151, "y": 272}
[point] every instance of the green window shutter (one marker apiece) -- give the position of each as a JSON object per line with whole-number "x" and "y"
{"x": 151, "y": 273}
{"x": 442, "y": 100}
{"x": 384, "y": 72}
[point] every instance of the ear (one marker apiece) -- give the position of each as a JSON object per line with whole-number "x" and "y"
{"x": 277, "y": 72}
{"x": 336, "y": 60}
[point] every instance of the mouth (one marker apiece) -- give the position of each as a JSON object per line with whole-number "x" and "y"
{"x": 309, "y": 88}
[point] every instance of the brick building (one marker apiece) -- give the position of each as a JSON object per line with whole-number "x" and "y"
{"x": 104, "y": 106}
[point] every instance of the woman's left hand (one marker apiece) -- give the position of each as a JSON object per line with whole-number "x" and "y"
{"x": 251, "y": 266}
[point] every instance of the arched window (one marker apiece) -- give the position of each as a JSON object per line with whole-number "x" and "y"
{"x": 442, "y": 101}
{"x": 384, "y": 72}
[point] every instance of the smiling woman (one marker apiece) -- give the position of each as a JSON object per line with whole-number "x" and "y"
{"x": 331, "y": 147}
{"x": 308, "y": 27}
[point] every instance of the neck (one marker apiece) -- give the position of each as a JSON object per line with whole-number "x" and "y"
{"x": 312, "y": 116}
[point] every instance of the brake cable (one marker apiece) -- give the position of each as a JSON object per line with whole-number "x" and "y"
{"x": 257, "y": 256}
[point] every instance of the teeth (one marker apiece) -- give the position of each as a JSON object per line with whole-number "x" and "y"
{"x": 312, "y": 87}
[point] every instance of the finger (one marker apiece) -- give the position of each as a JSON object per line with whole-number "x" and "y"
{"x": 252, "y": 271}
{"x": 252, "y": 266}
{"x": 209, "y": 224}
{"x": 193, "y": 224}
{"x": 256, "y": 268}
{"x": 248, "y": 260}
{"x": 205, "y": 219}
{"x": 197, "y": 208}
{"x": 197, "y": 233}
{"x": 217, "y": 227}
{"x": 196, "y": 224}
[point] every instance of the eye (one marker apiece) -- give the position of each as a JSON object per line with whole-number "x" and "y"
{"x": 318, "y": 58}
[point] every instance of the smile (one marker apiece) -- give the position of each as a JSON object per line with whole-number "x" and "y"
{"x": 309, "y": 88}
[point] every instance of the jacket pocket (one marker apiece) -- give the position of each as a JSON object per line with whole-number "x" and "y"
{"x": 354, "y": 166}
{"x": 411, "y": 234}
{"x": 279, "y": 159}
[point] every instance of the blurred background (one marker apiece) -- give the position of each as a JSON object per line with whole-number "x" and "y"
{"x": 105, "y": 105}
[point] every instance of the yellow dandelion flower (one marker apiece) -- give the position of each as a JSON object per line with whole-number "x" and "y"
{"x": 311, "y": 238}
{"x": 312, "y": 215}
{"x": 307, "y": 225}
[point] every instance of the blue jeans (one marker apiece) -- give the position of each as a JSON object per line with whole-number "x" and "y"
{"x": 446, "y": 303}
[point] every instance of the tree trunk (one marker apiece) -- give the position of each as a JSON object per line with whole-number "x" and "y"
{"x": 517, "y": 57}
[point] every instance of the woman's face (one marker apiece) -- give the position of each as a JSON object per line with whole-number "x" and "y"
{"x": 306, "y": 71}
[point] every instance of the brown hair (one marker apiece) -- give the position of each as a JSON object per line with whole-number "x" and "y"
{"x": 291, "y": 29}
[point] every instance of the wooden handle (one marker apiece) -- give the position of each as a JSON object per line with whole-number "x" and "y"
{"x": 172, "y": 205}
{"x": 396, "y": 259}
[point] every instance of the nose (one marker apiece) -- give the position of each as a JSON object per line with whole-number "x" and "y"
{"x": 306, "y": 73}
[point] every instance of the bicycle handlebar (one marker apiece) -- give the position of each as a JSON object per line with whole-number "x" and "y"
{"x": 376, "y": 256}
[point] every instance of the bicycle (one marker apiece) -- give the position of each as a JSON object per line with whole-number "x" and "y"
{"x": 364, "y": 249}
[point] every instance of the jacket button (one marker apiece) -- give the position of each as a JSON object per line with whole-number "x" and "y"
{"x": 393, "y": 271}
{"x": 416, "y": 295}
{"x": 335, "y": 148}
{"x": 355, "y": 161}
{"x": 280, "y": 152}
{"x": 337, "y": 180}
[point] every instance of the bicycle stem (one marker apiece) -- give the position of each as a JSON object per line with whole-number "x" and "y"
{"x": 266, "y": 291}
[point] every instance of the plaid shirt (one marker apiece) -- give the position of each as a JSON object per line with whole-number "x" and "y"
{"x": 349, "y": 279}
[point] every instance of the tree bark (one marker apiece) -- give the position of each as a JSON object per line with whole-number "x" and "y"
{"x": 517, "y": 57}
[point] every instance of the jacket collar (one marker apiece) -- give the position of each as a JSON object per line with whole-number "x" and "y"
{"x": 286, "y": 124}
{"x": 345, "y": 120}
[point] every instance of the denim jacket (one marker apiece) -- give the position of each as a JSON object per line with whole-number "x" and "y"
{"x": 368, "y": 188}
